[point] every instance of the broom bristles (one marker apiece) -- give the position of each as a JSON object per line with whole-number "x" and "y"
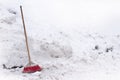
{"x": 31, "y": 69}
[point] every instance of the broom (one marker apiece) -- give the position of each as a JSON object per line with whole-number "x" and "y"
{"x": 31, "y": 67}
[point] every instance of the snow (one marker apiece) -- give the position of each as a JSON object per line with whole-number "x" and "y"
{"x": 64, "y": 49}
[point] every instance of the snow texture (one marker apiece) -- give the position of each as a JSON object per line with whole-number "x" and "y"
{"x": 64, "y": 53}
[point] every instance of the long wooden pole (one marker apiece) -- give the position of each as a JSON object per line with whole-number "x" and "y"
{"x": 25, "y": 33}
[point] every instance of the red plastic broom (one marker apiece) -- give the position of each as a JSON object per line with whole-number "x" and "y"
{"x": 31, "y": 67}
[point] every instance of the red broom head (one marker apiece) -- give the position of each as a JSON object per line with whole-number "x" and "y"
{"x": 31, "y": 69}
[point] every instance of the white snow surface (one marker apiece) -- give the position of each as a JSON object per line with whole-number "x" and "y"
{"x": 64, "y": 53}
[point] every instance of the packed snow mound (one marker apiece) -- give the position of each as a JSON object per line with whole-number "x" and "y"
{"x": 7, "y": 16}
{"x": 63, "y": 54}
{"x": 41, "y": 48}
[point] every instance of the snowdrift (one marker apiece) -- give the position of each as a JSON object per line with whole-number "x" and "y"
{"x": 64, "y": 54}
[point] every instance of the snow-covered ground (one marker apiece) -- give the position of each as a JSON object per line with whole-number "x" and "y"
{"x": 65, "y": 52}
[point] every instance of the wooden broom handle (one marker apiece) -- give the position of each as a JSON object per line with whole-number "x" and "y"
{"x": 25, "y": 33}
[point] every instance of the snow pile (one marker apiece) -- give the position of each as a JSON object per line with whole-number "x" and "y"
{"x": 13, "y": 46}
{"x": 64, "y": 53}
